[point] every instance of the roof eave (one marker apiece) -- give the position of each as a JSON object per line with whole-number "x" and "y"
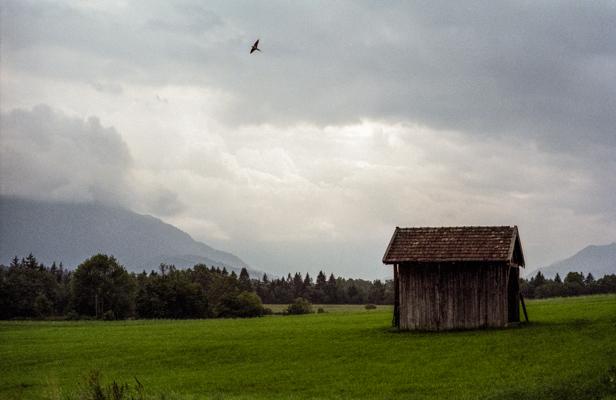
{"x": 391, "y": 241}
{"x": 515, "y": 239}
{"x": 450, "y": 260}
{"x": 512, "y": 244}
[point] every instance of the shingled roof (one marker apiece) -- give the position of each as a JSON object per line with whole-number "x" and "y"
{"x": 451, "y": 244}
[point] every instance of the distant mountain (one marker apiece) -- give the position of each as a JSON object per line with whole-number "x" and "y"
{"x": 598, "y": 260}
{"x": 72, "y": 232}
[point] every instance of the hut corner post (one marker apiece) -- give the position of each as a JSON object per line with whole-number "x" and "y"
{"x": 396, "y": 319}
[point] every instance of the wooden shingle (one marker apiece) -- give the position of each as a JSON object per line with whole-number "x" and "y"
{"x": 454, "y": 244}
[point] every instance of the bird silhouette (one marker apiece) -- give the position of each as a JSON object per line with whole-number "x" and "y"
{"x": 255, "y": 47}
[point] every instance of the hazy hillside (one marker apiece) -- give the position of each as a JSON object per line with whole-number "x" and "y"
{"x": 598, "y": 260}
{"x": 71, "y": 232}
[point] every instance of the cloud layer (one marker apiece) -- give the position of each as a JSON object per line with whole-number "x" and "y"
{"x": 357, "y": 117}
{"x": 46, "y": 155}
{"x": 542, "y": 70}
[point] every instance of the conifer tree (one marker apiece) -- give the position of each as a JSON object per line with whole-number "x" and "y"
{"x": 298, "y": 285}
{"x": 331, "y": 290}
{"x": 590, "y": 279}
{"x": 321, "y": 280}
{"x": 308, "y": 287}
{"x": 31, "y": 262}
{"x": 539, "y": 279}
{"x": 244, "y": 281}
{"x": 319, "y": 288}
{"x": 307, "y": 280}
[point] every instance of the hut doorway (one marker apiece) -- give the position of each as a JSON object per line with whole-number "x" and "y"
{"x": 513, "y": 294}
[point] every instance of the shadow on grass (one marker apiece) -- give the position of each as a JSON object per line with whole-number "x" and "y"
{"x": 579, "y": 323}
{"x": 451, "y": 332}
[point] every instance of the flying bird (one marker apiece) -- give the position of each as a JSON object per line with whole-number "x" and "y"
{"x": 255, "y": 47}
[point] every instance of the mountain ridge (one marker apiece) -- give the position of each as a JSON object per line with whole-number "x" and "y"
{"x": 71, "y": 232}
{"x": 596, "y": 259}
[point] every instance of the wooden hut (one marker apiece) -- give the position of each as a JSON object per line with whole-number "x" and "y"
{"x": 455, "y": 277}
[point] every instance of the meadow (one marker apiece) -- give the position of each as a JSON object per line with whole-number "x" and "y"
{"x": 567, "y": 351}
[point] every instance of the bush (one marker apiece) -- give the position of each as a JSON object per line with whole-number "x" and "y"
{"x": 42, "y": 306}
{"x": 72, "y": 316}
{"x": 109, "y": 316}
{"x": 299, "y": 306}
{"x": 550, "y": 289}
{"x": 370, "y": 307}
{"x": 243, "y": 305}
{"x": 94, "y": 389}
{"x": 320, "y": 310}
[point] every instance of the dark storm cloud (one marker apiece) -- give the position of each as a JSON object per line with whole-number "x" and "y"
{"x": 545, "y": 71}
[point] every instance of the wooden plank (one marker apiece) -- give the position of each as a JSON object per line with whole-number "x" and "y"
{"x": 396, "y": 319}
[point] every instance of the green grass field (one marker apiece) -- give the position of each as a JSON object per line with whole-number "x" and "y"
{"x": 568, "y": 351}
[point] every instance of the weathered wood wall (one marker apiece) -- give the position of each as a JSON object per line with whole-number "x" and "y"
{"x": 513, "y": 296}
{"x": 453, "y": 296}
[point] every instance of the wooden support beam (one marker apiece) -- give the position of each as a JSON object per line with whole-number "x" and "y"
{"x": 523, "y": 307}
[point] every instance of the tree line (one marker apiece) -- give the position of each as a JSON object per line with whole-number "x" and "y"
{"x": 324, "y": 290}
{"x": 102, "y": 288}
{"x": 574, "y": 284}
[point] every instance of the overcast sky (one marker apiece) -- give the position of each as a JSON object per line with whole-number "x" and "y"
{"x": 356, "y": 117}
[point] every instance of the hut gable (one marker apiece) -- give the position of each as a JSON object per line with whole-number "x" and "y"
{"x": 455, "y": 244}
